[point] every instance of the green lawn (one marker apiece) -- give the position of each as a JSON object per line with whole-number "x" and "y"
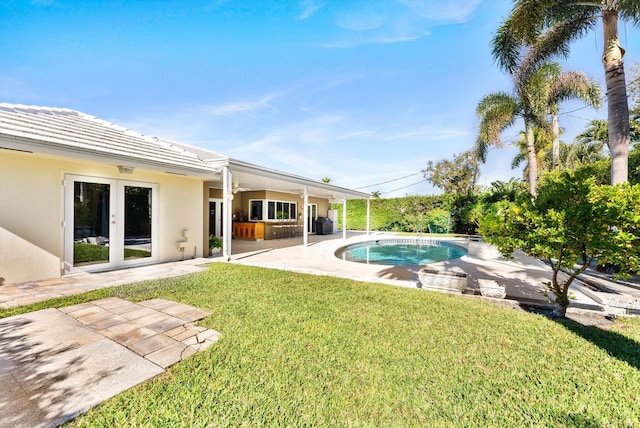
{"x": 90, "y": 253}
{"x": 300, "y": 350}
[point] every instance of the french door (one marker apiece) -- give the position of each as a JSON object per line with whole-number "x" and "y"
{"x": 312, "y": 216}
{"x": 108, "y": 223}
{"x": 216, "y": 221}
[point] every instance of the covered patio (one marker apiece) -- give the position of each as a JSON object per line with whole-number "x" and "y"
{"x": 250, "y": 203}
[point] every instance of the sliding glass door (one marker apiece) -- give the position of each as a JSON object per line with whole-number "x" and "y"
{"x": 108, "y": 223}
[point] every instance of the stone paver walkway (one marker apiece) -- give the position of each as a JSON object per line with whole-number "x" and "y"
{"x": 13, "y": 295}
{"x": 58, "y": 363}
{"x": 162, "y": 331}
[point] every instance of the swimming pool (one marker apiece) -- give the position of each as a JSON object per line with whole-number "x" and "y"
{"x": 400, "y": 252}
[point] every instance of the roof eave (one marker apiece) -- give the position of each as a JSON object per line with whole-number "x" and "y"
{"x": 22, "y": 144}
{"x": 340, "y": 192}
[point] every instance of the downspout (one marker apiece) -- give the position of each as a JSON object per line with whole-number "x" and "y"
{"x": 227, "y": 196}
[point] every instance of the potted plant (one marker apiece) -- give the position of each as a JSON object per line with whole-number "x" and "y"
{"x": 215, "y": 244}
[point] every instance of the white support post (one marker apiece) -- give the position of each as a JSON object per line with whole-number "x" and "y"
{"x": 305, "y": 215}
{"x": 344, "y": 218}
{"x": 368, "y": 215}
{"x": 227, "y": 195}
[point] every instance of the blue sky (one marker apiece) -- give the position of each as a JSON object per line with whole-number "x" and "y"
{"x": 363, "y": 92}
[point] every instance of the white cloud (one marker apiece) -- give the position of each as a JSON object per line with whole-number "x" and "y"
{"x": 244, "y": 107}
{"x": 361, "y": 20}
{"x": 395, "y": 21}
{"x": 429, "y": 134}
{"x": 17, "y": 90}
{"x": 309, "y": 7}
{"x": 443, "y": 10}
{"x": 355, "y": 134}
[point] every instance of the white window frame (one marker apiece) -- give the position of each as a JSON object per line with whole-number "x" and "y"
{"x": 292, "y": 208}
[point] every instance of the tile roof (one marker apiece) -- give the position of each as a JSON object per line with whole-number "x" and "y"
{"x": 65, "y": 129}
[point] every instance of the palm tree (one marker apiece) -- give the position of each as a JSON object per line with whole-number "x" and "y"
{"x": 326, "y": 179}
{"x": 551, "y": 26}
{"x": 539, "y": 88}
{"x": 542, "y": 137}
{"x": 504, "y": 190}
{"x": 577, "y": 154}
{"x": 565, "y": 86}
{"x": 597, "y": 131}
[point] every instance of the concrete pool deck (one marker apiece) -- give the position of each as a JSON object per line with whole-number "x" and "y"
{"x": 522, "y": 276}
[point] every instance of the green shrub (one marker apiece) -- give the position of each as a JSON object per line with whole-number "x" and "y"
{"x": 395, "y": 214}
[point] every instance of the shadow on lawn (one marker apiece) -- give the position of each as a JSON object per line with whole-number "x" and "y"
{"x": 616, "y": 345}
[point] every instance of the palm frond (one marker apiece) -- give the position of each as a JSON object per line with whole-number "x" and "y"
{"x": 575, "y": 84}
{"x": 630, "y": 11}
{"x": 528, "y": 18}
{"x": 505, "y": 48}
{"x": 533, "y": 87}
{"x": 497, "y": 111}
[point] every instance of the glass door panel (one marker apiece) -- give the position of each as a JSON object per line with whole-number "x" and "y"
{"x": 216, "y": 222}
{"x": 312, "y": 216}
{"x": 212, "y": 218}
{"x": 137, "y": 222}
{"x": 92, "y": 218}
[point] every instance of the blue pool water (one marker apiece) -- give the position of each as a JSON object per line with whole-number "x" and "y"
{"x": 400, "y": 253}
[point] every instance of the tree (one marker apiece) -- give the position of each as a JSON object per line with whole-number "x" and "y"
{"x": 563, "y": 87}
{"x": 597, "y": 131}
{"x": 458, "y": 176}
{"x": 542, "y": 144}
{"x": 569, "y": 156}
{"x": 376, "y": 194}
{"x": 572, "y": 224}
{"x": 504, "y": 190}
{"x": 577, "y": 154}
{"x": 551, "y": 26}
{"x": 326, "y": 180}
{"x": 539, "y": 87}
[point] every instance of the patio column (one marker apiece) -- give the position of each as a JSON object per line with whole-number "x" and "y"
{"x": 344, "y": 218}
{"x": 368, "y": 214}
{"x": 305, "y": 217}
{"x": 227, "y": 195}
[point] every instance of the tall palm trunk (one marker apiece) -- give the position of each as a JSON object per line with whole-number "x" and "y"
{"x": 555, "y": 144}
{"x": 532, "y": 159}
{"x": 617, "y": 98}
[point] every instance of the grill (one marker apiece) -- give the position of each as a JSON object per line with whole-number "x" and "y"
{"x": 324, "y": 226}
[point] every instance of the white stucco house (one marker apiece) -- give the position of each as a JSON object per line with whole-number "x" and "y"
{"x": 78, "y": 193}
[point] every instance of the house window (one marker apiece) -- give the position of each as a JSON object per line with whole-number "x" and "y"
{"x": 272, "y": 210}
{"x": 284, "y": 211}
{"x": 255, "y": 210}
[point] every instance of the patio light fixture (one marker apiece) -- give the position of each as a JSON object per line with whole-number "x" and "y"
{"x": 125, "y": 169}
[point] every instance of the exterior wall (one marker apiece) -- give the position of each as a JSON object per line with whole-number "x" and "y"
{"x": 214, "y": 193}
{"x": 323, "y": 206}
{"x": 32, "y": 212}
